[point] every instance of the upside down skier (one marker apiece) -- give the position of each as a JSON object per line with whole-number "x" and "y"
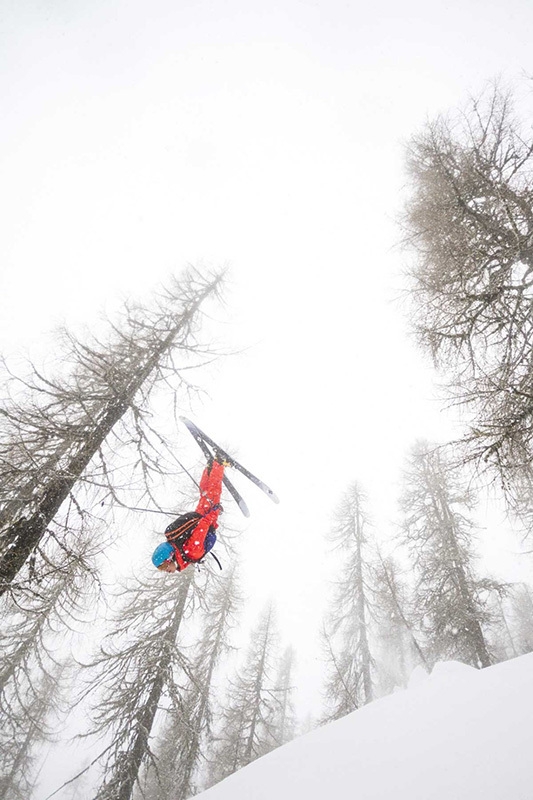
{"x": 191, "y": 536}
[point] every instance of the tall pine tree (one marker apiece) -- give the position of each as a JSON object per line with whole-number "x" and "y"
{"x": 246, "y": 726}
{"x": 470, "y": 222}
{"x": 187, "y": 729}
{"x": 397, "y": 648}
{"x": 451, "y": 600}
{"x": 141, "y": 667}
{"x": 284, "y": 716}
{"x": 30, "y": 661}
{"x": 347, "y": 630}
{"x": 61, "y": 435}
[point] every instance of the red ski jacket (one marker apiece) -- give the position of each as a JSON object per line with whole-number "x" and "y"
{"x": 188, "y": 533}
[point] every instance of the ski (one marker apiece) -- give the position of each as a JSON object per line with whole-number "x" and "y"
{"x": 236, "y": 496}
{"x": 203, "y": 439}
{"x": 225, "y": 480}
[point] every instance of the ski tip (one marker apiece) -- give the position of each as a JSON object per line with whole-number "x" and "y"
{"x": 268, "y": 491}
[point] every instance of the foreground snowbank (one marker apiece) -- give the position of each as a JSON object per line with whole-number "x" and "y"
{"x": 458, "y": 734}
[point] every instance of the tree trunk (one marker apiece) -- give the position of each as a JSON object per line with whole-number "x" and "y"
{"x": 361, "y": 612}
{"x": 24, "y": 535}
{"x": 122, "y": 787}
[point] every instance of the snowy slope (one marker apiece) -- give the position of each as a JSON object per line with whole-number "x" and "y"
{"x": 459, "y": 734}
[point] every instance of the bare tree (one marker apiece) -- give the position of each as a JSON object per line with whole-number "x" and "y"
{"x": 522, "y": 618}
{"x": 470, "y": 223}
{"x": 347, "y": 632}
{"x": 140, "y": 665}
{"x": 452, "y": 602}
{"x": 284, "y": 717}
{"x": 396, "y": 638}
{"x": 19, "y": 739}
{"x": 33, "y": 676}
{"x": 60, "y": 435}
{"x": 188, "y": 724}
{"x": 246, "y": 723}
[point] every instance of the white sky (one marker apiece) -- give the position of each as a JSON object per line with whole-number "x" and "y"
{"x": 138, "y": 137}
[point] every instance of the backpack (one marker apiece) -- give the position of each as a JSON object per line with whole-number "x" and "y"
{"x": 179, "y": 531}
{"x": 182, "y": 526}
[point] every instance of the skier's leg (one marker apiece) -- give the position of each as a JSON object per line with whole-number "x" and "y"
{"x": 210, "y": 487}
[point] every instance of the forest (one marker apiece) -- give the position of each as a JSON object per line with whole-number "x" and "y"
{"x": 154, "y": 675}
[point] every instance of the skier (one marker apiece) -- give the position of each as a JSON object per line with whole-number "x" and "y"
{"x": 191, "y": 536}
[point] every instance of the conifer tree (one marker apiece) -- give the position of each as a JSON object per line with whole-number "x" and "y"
{"x": 397, "y": 648}
{"x": 20, "y": 738}
{"x": 187, "y": 727}
{"x": 522, "y": 618}
{"x": 33, "y": 677}
{"x": 141, "y": 665}
{"x": 470, "y": 223}
{"x": 246, "y": 726}
{"x": 347, "y": 631}
{"x": 284, "y": 717}
{"x": 451, "y": 600}
{"x": 61, "y": 435}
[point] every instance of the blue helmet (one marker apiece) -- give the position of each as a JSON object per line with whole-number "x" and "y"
{"x": 162, "y": 553}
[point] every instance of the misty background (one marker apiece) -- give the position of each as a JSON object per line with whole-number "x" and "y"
{"x": 267, "y": 141}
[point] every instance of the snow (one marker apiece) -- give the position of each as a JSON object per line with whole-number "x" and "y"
{"x": 457, "y": 734}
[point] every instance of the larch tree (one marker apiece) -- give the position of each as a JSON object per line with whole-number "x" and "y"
{"x": 68, "y": 445}
{"x": 141, "y": 667}
{"x": 522, "y": 618}
{"x": 346, "y": 634}
{"x": 246, "y": 724}
{"x": 452, "y": 602}
{"x": 19, "y": 750}
{"x": 284, "y": 716}
{"x": 179, "y": 754}
{"x": 86, "y": 434}
{"x": 500, "y": 636}
{"x": 469, "y": 222}
{"x": 33, "y": 675}
{"x": 398, "y": 650}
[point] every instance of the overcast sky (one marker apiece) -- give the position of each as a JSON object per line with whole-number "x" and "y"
{"x": 267, "y": 137}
